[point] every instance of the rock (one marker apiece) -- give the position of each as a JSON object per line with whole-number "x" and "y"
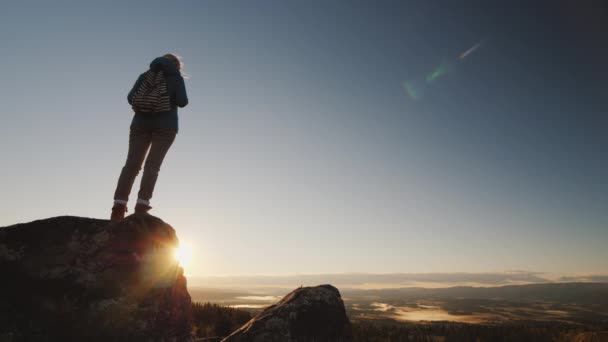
{"x": 306, "y": 314}
{"x": 73, "y": 278}
{"x": 597, "y": 336}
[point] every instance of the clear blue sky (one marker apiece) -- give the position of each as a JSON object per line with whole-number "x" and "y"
{"x": 302, "y": 150}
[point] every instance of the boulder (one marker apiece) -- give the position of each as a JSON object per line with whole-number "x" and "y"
{"x": 596, "y": 336}
{"x": 306, "y": 314}
{"x": 73, "y": 278}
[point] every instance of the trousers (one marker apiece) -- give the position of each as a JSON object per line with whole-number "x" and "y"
{"x": 157, "y": 141}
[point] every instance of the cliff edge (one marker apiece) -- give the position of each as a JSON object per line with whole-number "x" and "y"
{"x": 73, "y": 278}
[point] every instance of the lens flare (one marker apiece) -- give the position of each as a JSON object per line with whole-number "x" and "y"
{"x": 414, "y": 88}
{"x": 441, "y": 70}
{"x": 470, "y": 51}
{"x": 411, "y": 90}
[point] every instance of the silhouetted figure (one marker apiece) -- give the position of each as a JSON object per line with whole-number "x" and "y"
{"x": 155, "y": 97}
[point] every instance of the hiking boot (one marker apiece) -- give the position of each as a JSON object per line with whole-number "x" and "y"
{"x": 118, "y": 212}
{"x": 141, "y": 208}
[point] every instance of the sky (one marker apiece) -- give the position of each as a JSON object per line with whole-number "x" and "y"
{"x": 325, "y": 136}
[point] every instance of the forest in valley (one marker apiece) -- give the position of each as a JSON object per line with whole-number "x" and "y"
{"x": 212, "y": 322}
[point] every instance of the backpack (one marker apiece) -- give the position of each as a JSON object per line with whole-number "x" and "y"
{"x": 152, "y": 95}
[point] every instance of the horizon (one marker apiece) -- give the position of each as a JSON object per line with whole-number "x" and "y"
{"x": 324, "y": 138}
{"x": 378, "y": 281}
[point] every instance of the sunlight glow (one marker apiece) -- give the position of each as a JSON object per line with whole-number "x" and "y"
{"x": 183, "y": 255}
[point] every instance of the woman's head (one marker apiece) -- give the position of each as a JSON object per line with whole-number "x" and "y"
{"x": 175, "y": 60}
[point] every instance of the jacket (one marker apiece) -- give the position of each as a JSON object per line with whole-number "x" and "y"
{"x": 177, "y": 92}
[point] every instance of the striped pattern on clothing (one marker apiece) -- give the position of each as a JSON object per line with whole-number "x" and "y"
{"x": 152, "y": 95}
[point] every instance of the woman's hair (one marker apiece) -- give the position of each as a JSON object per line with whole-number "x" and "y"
{"x": 176, "y": 60}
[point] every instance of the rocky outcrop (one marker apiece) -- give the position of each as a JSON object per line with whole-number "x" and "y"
{"x": 598, "y": 336}
{"x": 72, "y": 278}
{"x": 306, "y": 314}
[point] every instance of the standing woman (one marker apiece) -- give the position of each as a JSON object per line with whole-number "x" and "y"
{"x": 155, "y": 97}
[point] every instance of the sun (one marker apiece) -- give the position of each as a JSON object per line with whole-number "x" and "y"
{"x": 183, "y": 255}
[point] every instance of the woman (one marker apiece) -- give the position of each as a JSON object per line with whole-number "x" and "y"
{"x": 150, "y": 130}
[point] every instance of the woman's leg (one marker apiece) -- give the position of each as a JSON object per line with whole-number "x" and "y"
{"x": 139, "y": 142}
{"x": 161, "y": 142}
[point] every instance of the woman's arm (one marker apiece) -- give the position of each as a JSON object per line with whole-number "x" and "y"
{"x": 181, "y": 98}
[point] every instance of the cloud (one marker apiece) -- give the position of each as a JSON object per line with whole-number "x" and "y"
{"x": 595, "y": 278}
{"x": 367, "y": 280}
